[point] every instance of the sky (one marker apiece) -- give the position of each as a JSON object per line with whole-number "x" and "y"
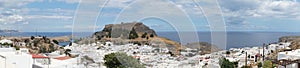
{"x": 160, "y": 15}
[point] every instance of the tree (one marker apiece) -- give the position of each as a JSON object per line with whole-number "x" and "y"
{"x": 225, "y": 63}
{"x": 138, "y": 43}
{"x": 228, "y": 52}
{"x": 55, "y": 41}
{"x": 259, "y": 64}
{"x": 99, "y": 37}
{"x": 267, "y": 64}
{"x": 44, "y": 37}
{"x": 43, "y": 50}
{"x": 67, "y": 52}
{"x": 121, "y": 60}
{"x": 144, "y": 35}
{"x": 133, "y": 34}
{"x": 51, "y": 48}
{"x": 109, "y": 34}
{"x": 26, "y": 41}
{"x": 17, "y": 47}
{"x": 70, "y": 44}
{"x": 171, "y": 53}
{"x": 32, "y": 37}
{"x": 151, "y": 35}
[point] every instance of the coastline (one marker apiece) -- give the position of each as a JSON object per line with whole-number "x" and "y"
{"x": 244, "y": 39}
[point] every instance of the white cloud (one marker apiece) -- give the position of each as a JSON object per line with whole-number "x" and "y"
{"x": 118, "y": 3}
{"x": 237, "y": 11}
{"x": 48, "y": 17}
{"x": 247, "y": 27}
{"x": 238, "y": 20}
{"x": 10, "y": 11}
{"x": 69, "y": 1}
{"x": 26, "y": 22}
{"x": 163, "y": 10}
{"x": 110, "y": 3}
{"x": 68, "y": 26}
{"x": 240, "y": 23}
{"x": 281, "y": 9}
{"x": 261, "y": 8}
{"x": 15, "y": 3}
{"x": 33, "y": 15}
{"x": 81, "y": 28}
{"x": 10, "y": 18}
{"x": 189, "y": 6}
{"x": 153, "y": 8}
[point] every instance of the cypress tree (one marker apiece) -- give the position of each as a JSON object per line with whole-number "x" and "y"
{"x": 133, "y": 34}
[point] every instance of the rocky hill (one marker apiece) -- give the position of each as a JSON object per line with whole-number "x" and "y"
{"x": 288, "y": 38}
{"x": 295, "y": 41}
{"x": 36, "y": 44}
{"x": 137, "y": 32}
{"x": 295, "y": 44}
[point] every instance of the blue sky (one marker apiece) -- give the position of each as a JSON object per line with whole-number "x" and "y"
{"x": 161, "y": 15}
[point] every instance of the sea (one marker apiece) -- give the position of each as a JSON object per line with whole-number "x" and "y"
{"x": 233, "y": 40}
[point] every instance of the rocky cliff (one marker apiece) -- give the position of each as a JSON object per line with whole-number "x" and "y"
{"x": 288, "y": 38}
{"x": 295, "y": 41}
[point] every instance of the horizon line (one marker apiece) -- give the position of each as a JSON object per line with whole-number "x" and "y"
{"x": 174, "y": 31}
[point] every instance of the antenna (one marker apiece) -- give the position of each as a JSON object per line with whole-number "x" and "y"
{"x": 36, "y": 32}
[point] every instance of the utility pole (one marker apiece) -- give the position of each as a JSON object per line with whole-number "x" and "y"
{"x": 35, "y": 32}
{"x": 246, "y": 60}
{"x": 263, "y": 56}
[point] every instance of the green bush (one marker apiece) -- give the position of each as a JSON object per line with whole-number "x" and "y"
{"x": 259, "y": 64}
{"x": 246, "y": 67}
{"x": 17, "y": 47}
{"x": 32, "y": 37}
{"x": 225, "y": 63}
{"x": 267, "y": 64}
{"x": 121, "y": 60}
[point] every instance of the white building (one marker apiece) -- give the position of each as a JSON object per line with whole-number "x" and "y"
{"x": 3, "y": 41}
{"x": 13, "y": 59}
{"x": 274, "y": 47}
{"x": 290, "y": 55}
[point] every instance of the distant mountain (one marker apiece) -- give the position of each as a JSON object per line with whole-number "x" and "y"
{"x": 3, "y": 31}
